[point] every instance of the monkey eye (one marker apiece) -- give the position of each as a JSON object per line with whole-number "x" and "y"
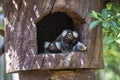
{"x": 75, "y": 34}
{"x": 64, "y": 33}
{"x": 46, "y": 44}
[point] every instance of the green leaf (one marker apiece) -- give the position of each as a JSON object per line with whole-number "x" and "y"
{"x": 94, "y": 24}
{"x": 91, "y": 15}
{"x": 94, "y": 14}
{"x": 109, "y": 6}
{"x": 118, "y": 41}
{"x": 108, "y": 40}
{"x": 118, "y": 23}
{"x": 105, "y": 24}
{"x": 104, "y": 13}
{"x": 114, "y": 24}
{"x": 99, "y": 14}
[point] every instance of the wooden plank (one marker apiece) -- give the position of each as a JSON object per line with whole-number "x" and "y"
{"x": 58, "y": 75}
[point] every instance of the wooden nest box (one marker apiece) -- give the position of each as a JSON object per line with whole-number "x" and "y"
{"x": 25, "y": 20}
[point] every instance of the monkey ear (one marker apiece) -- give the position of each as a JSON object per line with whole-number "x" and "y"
{"x": 58, "y": 45}
{"x": 64, "y": 33}
{"x": 46, "y": 44}
{"x": 75, "y": 34}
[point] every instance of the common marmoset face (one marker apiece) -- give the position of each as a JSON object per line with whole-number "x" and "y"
{"x": 52, "y": 47}
{"x": 69, "y": 36}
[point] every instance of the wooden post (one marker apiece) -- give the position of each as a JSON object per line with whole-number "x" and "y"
{"x": 83, "y": 74}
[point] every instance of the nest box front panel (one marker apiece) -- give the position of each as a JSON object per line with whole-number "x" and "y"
{"x": 31, "y": 27}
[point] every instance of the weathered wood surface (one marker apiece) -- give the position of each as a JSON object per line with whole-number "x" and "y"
{"x": 58, "y": 75}
{"x": 20, "y": 35}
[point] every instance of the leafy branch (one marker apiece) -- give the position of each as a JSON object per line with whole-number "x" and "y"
{"x": 109, "y": 19}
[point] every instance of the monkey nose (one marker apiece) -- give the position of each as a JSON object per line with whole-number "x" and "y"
{"x": 52, "y": 44}
{"x": 70, "y": 37}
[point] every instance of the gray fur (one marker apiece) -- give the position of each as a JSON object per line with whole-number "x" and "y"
{"x": 56, "y": 49}
{"x": 79, "y": 47}
{"x": 67, "y": 47}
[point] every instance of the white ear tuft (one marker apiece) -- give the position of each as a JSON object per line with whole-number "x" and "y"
{"x": 58, "y": 45}
{"x": 75, "y": 34}
{"x": 64, "y": 33}
{"x": 46, "y": 44}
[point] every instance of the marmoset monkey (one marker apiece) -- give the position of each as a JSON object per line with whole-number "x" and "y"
{"x": 52, "y": 47}
{"x": 68, "y": 39}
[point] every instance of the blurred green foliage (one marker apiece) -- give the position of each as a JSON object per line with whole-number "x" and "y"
{"x": 1, "y": 26}
{"x": 109, "y": 18}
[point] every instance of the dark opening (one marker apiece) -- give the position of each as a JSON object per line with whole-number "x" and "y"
{"x": 50, "y": 27}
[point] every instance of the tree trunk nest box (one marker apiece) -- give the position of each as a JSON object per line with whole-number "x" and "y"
{"x": 29, "y": 24}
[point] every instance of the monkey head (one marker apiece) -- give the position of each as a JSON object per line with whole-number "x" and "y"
{"x": 52, "y": 47}
{"x": 69, "y": 36}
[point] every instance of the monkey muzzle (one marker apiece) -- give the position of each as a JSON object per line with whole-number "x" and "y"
{"x": 52, "y": 47}
{"x": 70, "y": 37}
